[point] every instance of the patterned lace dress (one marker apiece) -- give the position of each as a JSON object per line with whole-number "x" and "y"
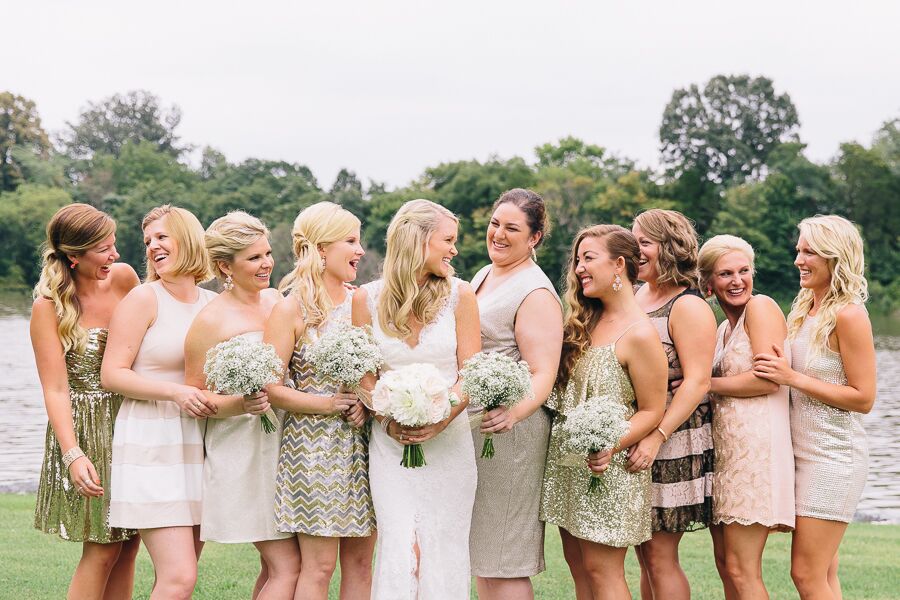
{"x": 754, "y": 478}
{"x": 322, "y": 480}
{"x": 60, "y": 508}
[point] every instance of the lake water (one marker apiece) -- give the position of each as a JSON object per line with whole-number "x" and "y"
{"x": 23, "y": 421}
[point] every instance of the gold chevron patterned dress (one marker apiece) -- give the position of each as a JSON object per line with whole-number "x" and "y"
{"x": 322, "y": 482}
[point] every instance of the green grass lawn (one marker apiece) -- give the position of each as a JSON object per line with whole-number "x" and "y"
{"x": 34, "y": 565}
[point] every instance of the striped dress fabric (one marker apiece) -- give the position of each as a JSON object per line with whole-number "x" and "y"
{"x": 157, "y": 451}
{"x": 681, "y": 492}
{"x": 322, "y": 480}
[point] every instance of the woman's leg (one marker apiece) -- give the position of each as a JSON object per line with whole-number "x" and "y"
{"x": 174, "y": 552}
{"x": 279, "y": 568}
{"x": 356, "y": 567}
{"x": 120, "y": 585}
{"x": 511, "y": 588}
{"x": 717, "y": 533}
{"x": 93, "y": 570}
{"x": 659, "y": 559}
{"x": 575, "y": 560}
{"x": 833, "y": 582}
{"x": 605, "y": 568}
{"x": 744, "y": 545}
{"x": 319, "y": 559}
{"x": 646, "y": 589}
{"x": 813, "y": 550}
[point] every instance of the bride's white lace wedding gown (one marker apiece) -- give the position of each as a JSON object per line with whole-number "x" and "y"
{"x": 430, "y": 505}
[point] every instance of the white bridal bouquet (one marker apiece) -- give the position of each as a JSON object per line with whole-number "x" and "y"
{"x": 415, "y": 395}
{"x": 490, "y": 380}
{"x": 595, "y": 425}
{"x": 344, "y": 354}
{"x": 244, "y": 366}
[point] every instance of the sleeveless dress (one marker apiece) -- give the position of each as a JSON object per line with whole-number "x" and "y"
{"x": 238, "y": 491}
{"x": 431, "y": 505}
{"x": 831, "y": 453}
{"x": 322, "y": 481}
{"x": 618, "y": 513}
{"x": 507, "y": 536}
{"x": 157, "y": 458}
{"x": 754, "y": 478}
{"x": 681, "y": 492}
{"x": 60, "y": 508}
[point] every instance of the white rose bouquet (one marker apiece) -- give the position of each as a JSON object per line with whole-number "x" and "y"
{"x": 595, "y": 425}
{"x": 344, "y": 354}
{"x": 415, "y": 395}
{"x": 244, "y": 366}
{"x": 491, "y": 380}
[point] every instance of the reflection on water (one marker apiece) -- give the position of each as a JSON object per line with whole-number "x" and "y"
{"x": 23, "y": 421}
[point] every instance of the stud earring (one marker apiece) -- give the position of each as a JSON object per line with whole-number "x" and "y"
{"x": 228, "y": 284}
{"x": 617, "y": 283}
{"x": 72, "y": 266}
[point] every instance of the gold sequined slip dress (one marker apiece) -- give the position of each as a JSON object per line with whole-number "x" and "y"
{"x": 60, "y": 508}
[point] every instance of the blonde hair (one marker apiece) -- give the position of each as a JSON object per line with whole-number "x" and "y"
{"x": 187, "y": 232}
{"x": 676, "y": 263}
{"x": 582, "y": 313}
{"x": 715, "y": 248}
{"x": 838, "y": 241}
{"x": 316, "y": 226}
{"x": 72, "y": 231}
{"x": 228, "y": 235}
{"x": 403, "y": 298}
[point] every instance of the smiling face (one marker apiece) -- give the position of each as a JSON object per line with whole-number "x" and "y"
{"x": 595, "y": 268}
{"x": 441, "y": 248}
{"x": 252, "y": 267}
{"x": 647, "y": 269}
{"x": 509, "y": 238}
{"x": 161, "y": 248}
{"x": 342, "y": 257}
{"x": 814, "y": 272}
{"x": 732, "y": 279}
{"x": 96, "y": 262}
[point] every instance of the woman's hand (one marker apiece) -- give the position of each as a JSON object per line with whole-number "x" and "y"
{"x": 193, "y": 402}
{"x": 256, "y": 404}
{"x": 498, "y": 420}
{"x": 599, "y": 461}
{"x": 84, "y": 477}
{"x": 774, "y": 367}
{"x": 340, "y": 402}
{"x": 356, "y": 416}
{"x": 415, "y": 435}
{"x": 642, "y": 454}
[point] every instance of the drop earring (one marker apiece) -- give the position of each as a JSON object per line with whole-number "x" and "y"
{"x": 617, "y": 283}
{"x": 228, "y": 284}
{"x": 323, "y": 262}
{"x": 533, "y": 254}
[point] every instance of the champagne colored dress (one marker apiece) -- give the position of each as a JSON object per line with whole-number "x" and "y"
{"x": 60, "y": 508}
{"x": 754, "y": 478}
{"x": 322, "y": 481}
{"x": 831, "y": 453}
{"x": 507, "y": 536}
{"x": 618, "y": 513}
{"x": 157, "y": 458}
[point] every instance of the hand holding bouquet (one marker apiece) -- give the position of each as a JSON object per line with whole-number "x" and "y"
{"x": 595, "y": 425}
{"x": 344, "y": 354}
{"x": 244, "y": 367}
{"x": 415, "y": 396}
{"x": 491, "y": 380}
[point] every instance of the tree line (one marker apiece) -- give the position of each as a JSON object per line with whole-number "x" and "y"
{"x": 730, "y": 152}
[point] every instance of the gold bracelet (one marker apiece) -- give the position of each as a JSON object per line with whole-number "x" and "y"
{"x": 663, "y": 433}
{"x": 73, "y": 454}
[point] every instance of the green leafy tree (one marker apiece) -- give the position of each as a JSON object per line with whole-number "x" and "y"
{"x": 24, "y": 214}
{"x": 21, "y": 138}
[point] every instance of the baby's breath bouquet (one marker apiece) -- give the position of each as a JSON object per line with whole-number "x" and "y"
{"x": 490, "y": 380}
{"x": 415, "y": 395}
{"x": 595, "y": 425}
{"x": 344, "y": 354}
{"x": 244, "y": 366}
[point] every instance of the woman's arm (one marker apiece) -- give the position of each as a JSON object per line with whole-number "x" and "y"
{"x": 645, "y": 360}
{"x": 539, "y": 335}
{"x": 765, "y": 326}
{"x": 856, "y": 346}
{"x": 202, "y": 336}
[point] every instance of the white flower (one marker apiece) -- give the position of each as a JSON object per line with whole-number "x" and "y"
{"x": 491, "y": 379}
{"x": 414, "y": 395}
{"x": 596, "y": 424}
{"x": 344, "y": 354}
{"x": 242, "y": 366}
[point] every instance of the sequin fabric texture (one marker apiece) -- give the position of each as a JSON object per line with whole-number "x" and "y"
{"x": 618, "y": 514}
{"x": 60, "y": 508}
{"x": 831, "y": 454}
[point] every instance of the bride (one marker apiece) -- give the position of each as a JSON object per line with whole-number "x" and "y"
{"x": 420, "y": 313}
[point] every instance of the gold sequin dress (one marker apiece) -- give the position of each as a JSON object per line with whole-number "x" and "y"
{"x": 60, "y": 508}
{"x": 618, "y": 514}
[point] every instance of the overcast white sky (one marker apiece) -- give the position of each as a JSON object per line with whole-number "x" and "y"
{"x": 387, "y": 88}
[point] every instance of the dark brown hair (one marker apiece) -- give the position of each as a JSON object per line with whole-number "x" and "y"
{"x": 532, "y": 205}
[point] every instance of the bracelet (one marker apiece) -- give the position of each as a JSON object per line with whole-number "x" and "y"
{"x": 386, "y": 423}
{"x": 73, "y": 454}
{"x": 663, "y": 433}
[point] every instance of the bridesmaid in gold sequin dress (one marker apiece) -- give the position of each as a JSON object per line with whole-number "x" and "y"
{"x": 753, "y": 485}
{"x": 79, "y": 287}
{"x": 831, "y": 372}
{"x": 610, "y": 349}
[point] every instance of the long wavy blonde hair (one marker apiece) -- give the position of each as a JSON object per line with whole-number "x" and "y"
{"x": 315, "y": 227}
{"x": 582, "y": 313}
{"x": 403, "y": 298}
{"x": 838, "y": 241}
{"x": 72, "y": 231}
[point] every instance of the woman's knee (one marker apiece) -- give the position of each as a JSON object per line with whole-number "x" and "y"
{"x": 739, "y": 571}
{"x": 102, "y": 556}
